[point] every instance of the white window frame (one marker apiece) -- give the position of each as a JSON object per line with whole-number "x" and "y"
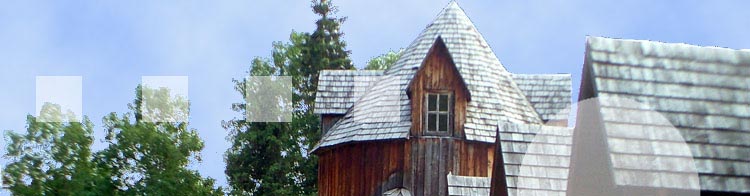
{"x": 439, "y": 114}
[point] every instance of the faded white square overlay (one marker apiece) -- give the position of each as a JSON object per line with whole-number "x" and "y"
{"x": 59, "y": 98}
{"x": 165, "y": 99}
{"x": 268, "y": 99}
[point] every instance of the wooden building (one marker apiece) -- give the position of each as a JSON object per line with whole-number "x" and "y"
{"x": 653, "y": 119}
{"x": 449, "y": 119}
{"x": 669, "y": 119}
{"x": 427, "y": 125}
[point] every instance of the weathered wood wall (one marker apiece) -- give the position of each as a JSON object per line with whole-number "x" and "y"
{"x": 420, "y": 163}
{"x": 438, "y": 73}
{"x": 474, "y": 158}
{"x": 366, "y": 168}
{"x": 433, "y": 158}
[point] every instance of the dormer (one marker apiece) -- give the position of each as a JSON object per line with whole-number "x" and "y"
{"x": 438, "y": 95}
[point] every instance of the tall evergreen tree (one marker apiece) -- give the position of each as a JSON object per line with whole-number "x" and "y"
{"x": 263, "y": 155}
{"x": 273, "y": 158}
{"x": 324, "y": 49}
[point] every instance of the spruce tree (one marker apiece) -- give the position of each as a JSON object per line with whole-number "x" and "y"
{"x": 272, "y": 158}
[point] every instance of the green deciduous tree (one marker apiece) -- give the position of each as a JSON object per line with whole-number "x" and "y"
{"x": 383, "y": 61}
{"x": 142, "y": 157}
{"x": 53, "y": 157}
{"x": 151, "y": 158}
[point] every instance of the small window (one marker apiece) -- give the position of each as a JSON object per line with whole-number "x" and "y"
{"x": 438, "y": 113}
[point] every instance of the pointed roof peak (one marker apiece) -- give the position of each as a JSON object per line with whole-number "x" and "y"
{"x": 452, "y": 3}
{"x": 480, "y": 68}
{"x": 474, "y": 59}
{"x": 454, "y": 12}
{"x": 459, "y": 34}
{"x": 383, "y": 112}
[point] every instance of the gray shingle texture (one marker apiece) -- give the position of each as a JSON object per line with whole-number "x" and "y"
{"x": 339, "y": 89}
{"x": 537, "y": 158}
{"x": 703, "y": 91}
{"x": 468, "y": 185}
{"x": 383, "y": 111}
{"x": 549, "y": 94}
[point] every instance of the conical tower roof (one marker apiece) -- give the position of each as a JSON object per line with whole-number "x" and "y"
{"x": 384, "y": 113}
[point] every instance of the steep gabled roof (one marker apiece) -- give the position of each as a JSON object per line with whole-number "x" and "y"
{"x": 492, "y": 88}
{"x": 339, "y": 89}
{"x": 549, "y": 94}
{"x": 703, "y": 91}
{"x": 384, "y": 113}
{"x": 439, "y": 50}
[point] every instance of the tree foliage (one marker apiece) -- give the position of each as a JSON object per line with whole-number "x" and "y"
{"x": 271, "y": 158}
{"x": 142, "y": 157}
{"x": 383, "y": 61}
{"x": 151, "y": 158}
{"x": 53, "y": 157}
{"x": 263, "y": 155}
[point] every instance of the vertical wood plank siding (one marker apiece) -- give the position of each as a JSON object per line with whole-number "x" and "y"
{"x": 435, "y": 157}
{"x": 368, "y": 168}
{"x": 438, "y": 73}
{"x": 421, "y": 163}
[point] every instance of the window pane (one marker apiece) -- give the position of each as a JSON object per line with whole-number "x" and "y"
{"x": 431, "y": 102}
{"x": 443, "y": 122}
{"x": 431, "y": 122}
{"x": 443, "y": 102}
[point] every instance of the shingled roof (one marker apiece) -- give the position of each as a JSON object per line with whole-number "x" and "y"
{"x": 549, "y": 94}
{"x": 383, "y": 112}
{"x": 703, "y": 91}
{"x": 339, "y": 89}
{"x": 536, "y": 160}
{"x": 468, "y": 185}
{"x": 536, "y": 157}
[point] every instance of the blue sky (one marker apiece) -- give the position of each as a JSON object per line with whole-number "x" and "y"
{"x": 111, "y": 44}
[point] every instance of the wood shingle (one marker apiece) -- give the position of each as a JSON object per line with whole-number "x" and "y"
{"x": 383, "y": 111}
{"x": 339, "y": 89}
{"x": 703, "y": 92}
{"x": 536, "y": 160}
{"x": 549, "y": 94}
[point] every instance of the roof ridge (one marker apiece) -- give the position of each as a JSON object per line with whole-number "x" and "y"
{"x": 659, "y": 49}
{"x": 498, "y": 97}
